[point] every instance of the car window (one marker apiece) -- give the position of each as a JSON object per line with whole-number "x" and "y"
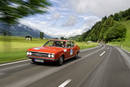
{"x": 72, "y": 44}
{"x": 55, "y": 43}
{"x": 49, "y": 43}
{"x": 68, "y": 44}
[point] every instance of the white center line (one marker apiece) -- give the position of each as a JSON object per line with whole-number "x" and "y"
{"x": 102, "y": 53}
{"x": 65, "y": 83}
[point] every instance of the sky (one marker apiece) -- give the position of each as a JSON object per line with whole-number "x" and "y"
{"x": 66, "y": 18}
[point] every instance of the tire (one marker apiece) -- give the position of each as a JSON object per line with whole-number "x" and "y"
{"x": 33, "y": 61}
{"x": 77, "y": 55}
{"x": 60, "y": 61}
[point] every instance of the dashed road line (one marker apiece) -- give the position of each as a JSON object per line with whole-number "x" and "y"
{"x": 102, "y": 53}
{"x": 65, "y": 83}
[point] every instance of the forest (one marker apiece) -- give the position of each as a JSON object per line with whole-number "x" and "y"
{"x": 109, "y": 29}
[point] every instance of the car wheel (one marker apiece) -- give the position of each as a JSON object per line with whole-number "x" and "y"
{"x": 60, "y": 61}
{"x": 77, "y": 55}
{"x": 33, "y": 61}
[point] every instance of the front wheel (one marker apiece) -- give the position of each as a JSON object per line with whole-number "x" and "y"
{"x": 33, "y": 61}
{"x": 60, "y": 61}
{"x": 77, "y": 55}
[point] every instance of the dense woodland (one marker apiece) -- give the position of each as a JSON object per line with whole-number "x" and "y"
{"x": 108, "y": 29}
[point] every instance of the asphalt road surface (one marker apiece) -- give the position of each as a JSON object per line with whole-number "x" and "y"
{"x": 102, "y": 66}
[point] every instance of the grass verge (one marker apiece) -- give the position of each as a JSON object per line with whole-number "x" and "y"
{"x": 121, "y": 45}
{"x": 85, "y": 45}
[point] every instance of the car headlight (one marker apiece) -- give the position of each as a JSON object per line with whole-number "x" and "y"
{"x": 65, "y": 50}
{"x": 51, "y": 55}
{"x": 29, "y": 53}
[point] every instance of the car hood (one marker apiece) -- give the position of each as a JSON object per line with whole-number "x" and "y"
{"x": 46, "y": 49}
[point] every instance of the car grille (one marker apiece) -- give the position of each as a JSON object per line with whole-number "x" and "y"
{"x": 38, "y": 54}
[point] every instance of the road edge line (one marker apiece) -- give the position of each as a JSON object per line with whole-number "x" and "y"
{"x": 5, "y": 64}
{"x": 125, "y": 56}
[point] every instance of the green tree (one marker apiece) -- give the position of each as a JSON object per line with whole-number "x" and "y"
{"x": 41, "y": 35}
{"x": 12, "y": 10}
{"x": 117, "y": 17}
{"x": 108, "y": 29}
{"x": 116, "y": 32}
{"x": 62, "y": 38}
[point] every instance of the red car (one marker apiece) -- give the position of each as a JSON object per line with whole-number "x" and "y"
{"x": 54, "y": 51}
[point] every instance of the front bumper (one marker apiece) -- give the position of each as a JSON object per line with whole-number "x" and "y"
{"x": 42, "y": 58}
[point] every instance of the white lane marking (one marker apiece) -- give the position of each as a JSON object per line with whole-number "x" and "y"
{"x": 14, "y": 62}
{"x": 102, "y": 53}
{"x": 65, "y": 83}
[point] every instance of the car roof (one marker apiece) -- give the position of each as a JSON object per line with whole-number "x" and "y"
{"x": 59, "y": 40}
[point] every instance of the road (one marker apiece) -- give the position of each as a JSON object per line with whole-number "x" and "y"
{"x": 102, "y": 66}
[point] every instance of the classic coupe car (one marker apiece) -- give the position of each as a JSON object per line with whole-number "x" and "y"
{"x": 54, "y": 51}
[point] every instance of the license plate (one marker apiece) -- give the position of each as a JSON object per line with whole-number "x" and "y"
{"x": 39, "y": 60}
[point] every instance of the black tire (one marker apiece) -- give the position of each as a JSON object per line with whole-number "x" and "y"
{"x": 33, "y": 61}
{"x": 77, "y": 55}
{"x": 60, "y": 61}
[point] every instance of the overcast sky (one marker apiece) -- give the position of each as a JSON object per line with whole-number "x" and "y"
{"x": 73, "y": 17}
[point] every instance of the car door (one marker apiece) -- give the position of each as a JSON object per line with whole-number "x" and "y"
{"x": 68, "y": 47}
{"x": 72, "y": 49}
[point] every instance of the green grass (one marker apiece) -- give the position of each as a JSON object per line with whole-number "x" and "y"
{"x": 14, "y": 48}
{"x": 126, "y": 43}
{"x": 85, "y": 45}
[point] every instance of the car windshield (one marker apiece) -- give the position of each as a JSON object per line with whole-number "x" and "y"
{"x": 55, "y": 43}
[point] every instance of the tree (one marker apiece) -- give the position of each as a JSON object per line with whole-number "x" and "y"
{"x": 12, "y": 10}
{"x": 116, "y": 32}
{"x": 62, "y": 38}
{"x": 41, "y": 35}
{"x": 117, "y": 17}
{"x": 108, "y": 29}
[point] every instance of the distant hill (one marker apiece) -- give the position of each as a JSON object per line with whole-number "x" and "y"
{"x": 75, "y": 37}
{"x": 22, "y": 30}
{"x": 115, "y": 27}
